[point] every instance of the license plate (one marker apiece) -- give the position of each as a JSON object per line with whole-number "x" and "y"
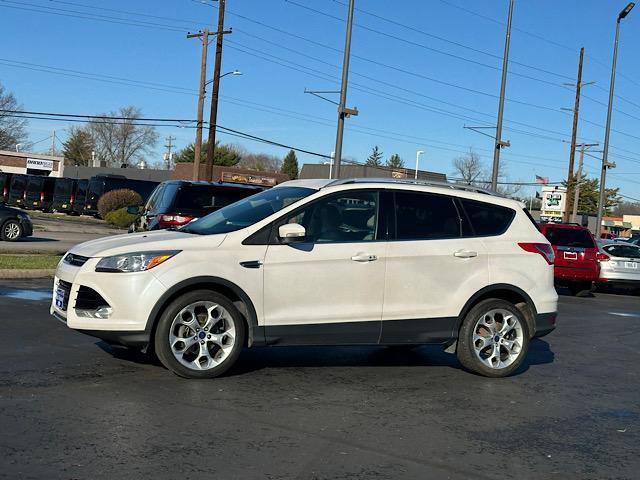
{"x": 630, "y": 265}
{"x": 64, "y": 205}
{"x": 570, "y": 256}
{"x": 35, "y": 203}
{"x": 60, "y": 298}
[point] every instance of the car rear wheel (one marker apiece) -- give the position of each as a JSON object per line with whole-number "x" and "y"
{"x": 577, "y": 287}
{"x": 493, "y": 339}
{"x": 11, "y": 231}
{"x": 200, "y": 335}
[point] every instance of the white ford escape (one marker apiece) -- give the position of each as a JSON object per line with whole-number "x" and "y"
{"x": 322, "y": 262}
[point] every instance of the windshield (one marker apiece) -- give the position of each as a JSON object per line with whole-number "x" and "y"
{"x": 247, "y": 211}
{"x": 570, "y": 237}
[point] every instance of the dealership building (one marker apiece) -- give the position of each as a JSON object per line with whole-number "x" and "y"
{"x": 31, "y": 163}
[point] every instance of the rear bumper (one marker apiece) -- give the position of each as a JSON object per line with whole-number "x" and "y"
{"x": 545, "y": 323}
{"x": 575, "y": 274}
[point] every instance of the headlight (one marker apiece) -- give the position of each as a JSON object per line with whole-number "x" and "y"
{"x": 134, "y": 262}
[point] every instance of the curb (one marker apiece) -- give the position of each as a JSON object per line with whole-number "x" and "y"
{"x": 26, "y": 273}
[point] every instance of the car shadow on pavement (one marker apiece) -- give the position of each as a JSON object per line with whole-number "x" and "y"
{"x": 258, "y": 358}
{"x": 37, "y": 239}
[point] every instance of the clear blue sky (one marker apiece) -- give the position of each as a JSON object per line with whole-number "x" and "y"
{"x": 406, "y": 99}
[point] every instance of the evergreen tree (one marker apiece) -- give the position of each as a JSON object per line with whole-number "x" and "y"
{"x": 224, "y": 155}
{"x": 375, "y": 159}
{"x": 395, "y": 161}
{"x": 290, "y": 165}
{"x": 589, "y": 193}
{"x": 78, "y": 147}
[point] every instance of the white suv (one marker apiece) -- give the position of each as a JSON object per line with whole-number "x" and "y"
{"x": 322, "y": 262}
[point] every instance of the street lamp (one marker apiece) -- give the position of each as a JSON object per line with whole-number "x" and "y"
{"x": 418, "y": 153}
{"x": 607, "y": 131}
{"x": 233, "y": 72}
{"x": 18, "y": 145}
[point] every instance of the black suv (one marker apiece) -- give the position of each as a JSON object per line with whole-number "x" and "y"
{"x": 176, "y": 202}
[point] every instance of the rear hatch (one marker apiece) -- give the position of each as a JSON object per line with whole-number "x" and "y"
{"x": 623, "y": 259}
{"x": 575, "y": 252}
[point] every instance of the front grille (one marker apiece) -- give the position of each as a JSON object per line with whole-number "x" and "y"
{"x": 89, "y": 299}
{"x": 75, "y": 260}
{"x": 62, "y": 295}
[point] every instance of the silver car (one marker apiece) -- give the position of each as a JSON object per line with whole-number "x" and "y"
{"x": 622, "y": 266}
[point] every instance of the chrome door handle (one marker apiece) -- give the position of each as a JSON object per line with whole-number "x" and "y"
{"x": 362, "y": 257}
{"x": 465, "y": 254}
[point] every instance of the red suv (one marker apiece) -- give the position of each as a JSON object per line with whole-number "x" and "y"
{"x": 577, "y": 259}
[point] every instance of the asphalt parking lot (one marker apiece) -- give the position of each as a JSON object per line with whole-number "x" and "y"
{"x": 72, "y": 407}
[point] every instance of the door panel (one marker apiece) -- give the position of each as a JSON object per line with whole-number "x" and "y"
{"x": 327, "y": 289}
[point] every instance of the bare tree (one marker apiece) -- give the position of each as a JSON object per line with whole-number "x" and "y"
{"x": 257, "y": 161}
{"x": 469, "y": 168}
{"x": 122, "y": 142}
{"x": 13, "y": 130}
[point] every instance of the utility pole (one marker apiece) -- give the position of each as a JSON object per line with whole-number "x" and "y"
{"x": 344, "y": 112}
{"x": 53, "y": 143}
{"x": 576, "y": 195}
{"x": 499, "y": 142}
{"x": 168, "y": 155}
{"x": 204, "y": 36}
{"x": 574, "y": 133}
{"x": 607, "y": 130}
{"x": 213, "y": 118}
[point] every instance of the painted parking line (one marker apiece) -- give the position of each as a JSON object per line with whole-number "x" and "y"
{"x": 623, "y": 314}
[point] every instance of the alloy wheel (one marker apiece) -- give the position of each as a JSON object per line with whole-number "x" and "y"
{"x": 498, "y": 338}
{"x": 11, "y": 231}
{"x": 202, "y": 335}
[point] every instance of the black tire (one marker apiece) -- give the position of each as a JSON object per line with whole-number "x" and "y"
{"x": 9, "y": 229}
{"x": 465, "y": 350}
{"x": 163, "y": 347}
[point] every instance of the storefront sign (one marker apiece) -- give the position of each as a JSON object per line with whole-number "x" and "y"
{"x": 249, "y": 179}
{"x": 37, "y": 164}
{"x": 553, "y": 204}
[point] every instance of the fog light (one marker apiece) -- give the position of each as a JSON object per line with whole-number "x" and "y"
{"x": 102, "y": 313}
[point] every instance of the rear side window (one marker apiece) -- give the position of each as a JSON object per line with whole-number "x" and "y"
{"x": 63, "y": 186}
{"x": 569, "y": 237}
{"x": 197, "y": 197}
{"x": 424, "y": 216}
{"x": 487, "y": 219}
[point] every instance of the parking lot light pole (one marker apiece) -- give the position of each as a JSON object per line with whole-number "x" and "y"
{"x": 418, "y": 153}
{"x": 607, "y": 131}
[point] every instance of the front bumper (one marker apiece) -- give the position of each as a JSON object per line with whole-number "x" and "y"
{"x": 128, "y": 295}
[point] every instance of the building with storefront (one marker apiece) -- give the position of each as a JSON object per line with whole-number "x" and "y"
{"x": 31, "y": 163}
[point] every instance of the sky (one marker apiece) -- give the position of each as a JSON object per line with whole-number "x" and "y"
{"x": 421, "y": 71}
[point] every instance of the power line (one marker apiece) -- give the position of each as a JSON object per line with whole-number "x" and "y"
{"x": 101, "y": 117}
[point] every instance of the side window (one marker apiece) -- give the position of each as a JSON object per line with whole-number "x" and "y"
{"x": 350, "y": 216}
{"x": 487, "y": 219}
{"x": 425, "y": 216}
{"x": 152, "y": 203}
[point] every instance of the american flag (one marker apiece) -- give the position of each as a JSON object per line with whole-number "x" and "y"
{"x": 542, "y": 180}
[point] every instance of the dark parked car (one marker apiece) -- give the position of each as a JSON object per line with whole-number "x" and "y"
{"x": 80, "y": 196}
{"x": 39, "y": 193}
{"x": 18, "y": 189}
{"x": 14, "y": 224}
{"x": 5, "y": 182}
{"x": 176, "y": 202}
{"x": 64, "y": 195}
{"x": 101, "y": 184}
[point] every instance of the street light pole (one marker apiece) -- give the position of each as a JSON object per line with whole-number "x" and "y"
{"x": 344, "y": 112}
{"x": 418, "y": 153}
{"x": 201, "y": 92}
{"x": 607, "y": 131}
{"x": 499, "y": 143}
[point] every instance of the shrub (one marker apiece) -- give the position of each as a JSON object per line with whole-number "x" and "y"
{"x": 116, "y": 199}
{"x": 120, "y": 218}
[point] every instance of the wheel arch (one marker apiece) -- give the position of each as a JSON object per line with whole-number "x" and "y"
{"x": 220, "y": 285}
{"x": 502, "y": 291}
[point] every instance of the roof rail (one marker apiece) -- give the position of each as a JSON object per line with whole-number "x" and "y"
{"x": 408, "y": 181}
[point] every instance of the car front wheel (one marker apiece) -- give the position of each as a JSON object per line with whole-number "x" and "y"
{"x": 11, "y": 231}
{"x": 200, "y": 335}
{"x": 493, "y": 339}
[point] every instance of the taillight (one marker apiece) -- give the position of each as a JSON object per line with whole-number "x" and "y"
{"x": 5, "y": 191}
{"x": 41, "y": 197}
{"x": 173, "y": 220}
{"x": 24, "y": 195}
{"x": 72, "y": 199}
{"x": 543, "y": 249}
{"x": 602, "y": 257}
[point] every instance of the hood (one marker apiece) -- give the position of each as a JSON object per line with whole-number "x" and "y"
{"x": 145, "y": 241}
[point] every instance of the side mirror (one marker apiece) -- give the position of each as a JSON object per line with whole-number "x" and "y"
{"x": 291, "y": 232}
{"x": 134, "y": 210}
